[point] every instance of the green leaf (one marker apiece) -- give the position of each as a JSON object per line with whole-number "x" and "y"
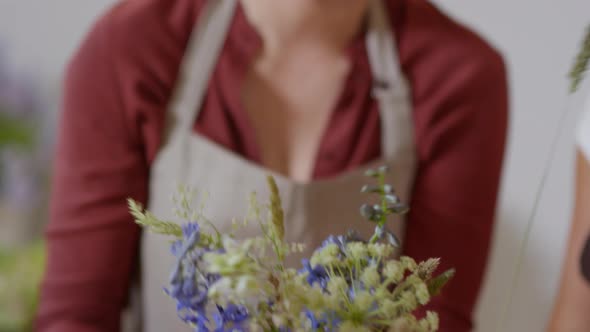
{"x": 436, "y": 284}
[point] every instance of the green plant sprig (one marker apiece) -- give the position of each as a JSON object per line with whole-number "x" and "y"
{"x": 580, "y": 67}
{"x": 147, "y": 220}
{"x": 389, "y": 204}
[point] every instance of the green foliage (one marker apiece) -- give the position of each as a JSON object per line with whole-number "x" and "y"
{"x": 20, "y": 275}
{"x": 15, "y": 133}
{"x": 580, "y": 67}
{"x": 389, "y": 204}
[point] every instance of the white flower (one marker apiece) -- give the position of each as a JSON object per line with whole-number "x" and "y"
{"x": 247, "y": 284}
{"x": 337, "y": 286}
{"x": 380, "y": 250}
{"x": 408, "y": 300}
{"x": 255, "y": 327}
{"x": 388, "y": 307}
{"x": 236, "y": 259}
{"x": 422, "y": 293}
{"x": 326, "y": 256}
{"x": 393, "y": 271}
{"x": 408, "y": 263}
{"x": 278, "y": 320}
{"x": 430, "y": 322}
{"x": 357, "y": 251}
{"x": 364, "y": 301}
{"x": 370, "y": 276}
{"x": 349, "y": 326}
{"x": 220, "y": 289}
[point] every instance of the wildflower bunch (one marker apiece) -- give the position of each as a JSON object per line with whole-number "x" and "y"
{"x": 224, "y": 283}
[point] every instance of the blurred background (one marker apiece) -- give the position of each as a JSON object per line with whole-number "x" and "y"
{"x": 538, "y": 40}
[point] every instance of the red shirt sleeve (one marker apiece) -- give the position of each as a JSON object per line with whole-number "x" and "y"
{"x": 461, "y": 107}
{"x": 91, "y": 239}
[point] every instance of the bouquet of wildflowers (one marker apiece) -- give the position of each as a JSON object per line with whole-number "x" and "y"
{"x": 223, "y": 283}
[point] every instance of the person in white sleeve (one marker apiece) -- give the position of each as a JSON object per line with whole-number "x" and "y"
{"x": 572, "y": 306}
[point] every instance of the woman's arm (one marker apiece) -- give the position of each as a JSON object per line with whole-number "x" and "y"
{"x": 572, "y": 307}
{"x": 91, "y": 239}
{"x": 461, "y": 149}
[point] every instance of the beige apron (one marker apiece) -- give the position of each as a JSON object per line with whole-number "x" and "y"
{"x": 313, "y": 210}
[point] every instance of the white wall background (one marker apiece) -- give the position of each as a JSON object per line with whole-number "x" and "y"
{"x": 538, "y": 38}
{"x": 39, "y": 37}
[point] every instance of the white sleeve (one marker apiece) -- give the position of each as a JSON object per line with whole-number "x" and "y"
{"x": 583, "y": 131}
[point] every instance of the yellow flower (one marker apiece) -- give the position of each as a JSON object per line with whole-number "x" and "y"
{"x": 337, "y": 286}
{"x": 430, "y": 322}
{"x": 327, "y": 256}
{"x": 380, "y": 250}
{"x": 349, "y": 326}
{"x": 393, "y": 271}
{"x": 370, "y": 276}
{"x": 422, "y": 293}
{"x": 388, "y": 307}
{"x": 357, "y": 250}
{"x": 363, "y": 301}
{"x": 408, "y": 263}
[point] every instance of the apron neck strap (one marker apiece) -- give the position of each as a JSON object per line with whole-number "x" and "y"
{"x": 382, "y": 52}
{"x": 203, "y": 50}
{"x": 390, "y": 87}
{"x": 206, "y": 43}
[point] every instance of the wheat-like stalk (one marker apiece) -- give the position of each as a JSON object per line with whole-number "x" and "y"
{"x": 580, "y": 67}
{"x": 276, "y": 208}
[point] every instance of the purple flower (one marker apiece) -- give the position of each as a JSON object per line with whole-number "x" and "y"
{"x": 189, "y": 229}
{"x": 339, "y": 240}
{"x": 188, "y": 286}
{"x": 329, "y": 321}
{"x": 316, "y": 274}
{"x": 176, "y": 248}
{"x": 315, "y": 324}
{"x": 342, "y": 240}
{"x": 233, "y": 318}
{"x": 201, "y": 324}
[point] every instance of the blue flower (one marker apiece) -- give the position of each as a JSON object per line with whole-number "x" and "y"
{"x": 176, "y": 248}
{"x": 342, "y": 240}
{"x": 314, "y": 323}
{"x": 189, "y": 229}
{"x": 329, "y": 321}
{"x": 201, "y": 324}
{"x": 197, "y": 319}
{"x": 339, "y": 240}
{"x": 187, "y": 285}
{"x": 233, "y": 318}
{"x": 189, "y": 295}
{"x": 316, "y": 274}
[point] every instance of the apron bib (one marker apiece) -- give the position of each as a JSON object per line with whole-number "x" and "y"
{"x": 313, "y": 211}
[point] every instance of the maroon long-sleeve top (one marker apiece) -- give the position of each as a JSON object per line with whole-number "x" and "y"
{"x": 117, "y": 87}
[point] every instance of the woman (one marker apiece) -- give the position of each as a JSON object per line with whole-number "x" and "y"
{"x": 573, "y": 300}
{"x": 246, "y": 87}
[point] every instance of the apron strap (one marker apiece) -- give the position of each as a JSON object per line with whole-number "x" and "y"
{"x": 206, "y": 43}
{"x": 203, "y": 50}
{"x": 390, "y": 87}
